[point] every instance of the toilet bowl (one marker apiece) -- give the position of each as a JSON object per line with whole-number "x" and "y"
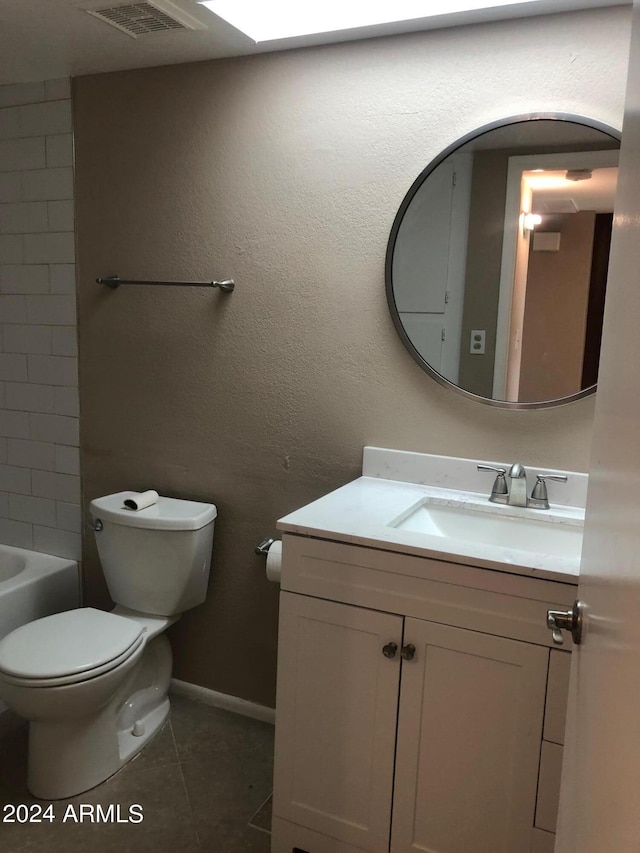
{"x": 93, "y": 684}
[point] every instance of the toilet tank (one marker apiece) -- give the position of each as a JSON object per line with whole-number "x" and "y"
{"x": 155, "y": 560}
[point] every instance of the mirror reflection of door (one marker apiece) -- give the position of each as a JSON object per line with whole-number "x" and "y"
{"x": 554, "y": 274}
{"x": 430, "y": 261}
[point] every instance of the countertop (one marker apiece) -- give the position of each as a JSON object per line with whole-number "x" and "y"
{"x": 363, "y": 511}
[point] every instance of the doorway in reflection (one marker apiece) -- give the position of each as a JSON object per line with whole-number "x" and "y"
{"x": 554, "y": 270}
{"x": 566, "y": 287}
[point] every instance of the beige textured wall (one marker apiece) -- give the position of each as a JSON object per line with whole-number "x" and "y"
{"x": 285, "y": 171}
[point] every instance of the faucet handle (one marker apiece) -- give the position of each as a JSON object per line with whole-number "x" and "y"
{"x": 499, "y": 492}
{"x": 499, "y": 471}
{"x": 539, "y": 496}
{"x": 561, "y": 478}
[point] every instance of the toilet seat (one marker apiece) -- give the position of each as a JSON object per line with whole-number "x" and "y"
{"x": 68, "y": 647}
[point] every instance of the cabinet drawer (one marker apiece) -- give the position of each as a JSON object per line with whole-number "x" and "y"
{"x": 549, "y": 786}
{"x": 555, "y": 712}
{"x": 483, "y": 600}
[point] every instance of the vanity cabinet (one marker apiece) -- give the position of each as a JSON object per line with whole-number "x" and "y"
{"x": 412, "y": 705}
{"x": 337, "y": 711}
{"x": 469, "y": 725}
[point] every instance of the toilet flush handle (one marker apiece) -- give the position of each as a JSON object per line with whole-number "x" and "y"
{"x": 263, "y": 548}
{"x": 96, "y": 525}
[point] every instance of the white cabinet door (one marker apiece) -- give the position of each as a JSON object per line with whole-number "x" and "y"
{"x": 469, "y": 730}
{"x": 337, "y": 703}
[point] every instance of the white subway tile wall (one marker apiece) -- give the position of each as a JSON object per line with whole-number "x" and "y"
{"x": 39, "y": 409}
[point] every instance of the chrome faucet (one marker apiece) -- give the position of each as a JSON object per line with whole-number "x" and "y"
{"x": 516, "y": 493}
{"x": 518, "y": 488}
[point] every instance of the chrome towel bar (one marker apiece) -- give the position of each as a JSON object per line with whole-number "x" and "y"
{"x": 227, "y": 285}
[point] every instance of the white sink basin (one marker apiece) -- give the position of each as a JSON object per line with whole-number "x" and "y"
{"x": 528, "y": 530}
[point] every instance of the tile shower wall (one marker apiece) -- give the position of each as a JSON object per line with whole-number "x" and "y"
{"x": 39, "y": 456}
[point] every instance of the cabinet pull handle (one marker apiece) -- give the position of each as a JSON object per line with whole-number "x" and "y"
{"x": 408, "y": 652}
{"x": 390, "y": 650}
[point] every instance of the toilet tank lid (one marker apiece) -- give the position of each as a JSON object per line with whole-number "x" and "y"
{"x": 166, "y": 514}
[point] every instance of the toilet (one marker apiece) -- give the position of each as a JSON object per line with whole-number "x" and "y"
{"x": 94, "y": 684}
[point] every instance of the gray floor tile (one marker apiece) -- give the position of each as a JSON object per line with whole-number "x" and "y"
{"x": 201, "y": 730}
{"x": 225, "y": 793}
{"x": 234, "y": 838}
{"x": 85, "y": 839}
{"x": 13, "y": 753}
{"x": 159, "y": 753}
{"x": 162, "y": 795}
{"x": 199, "y": 782}
{"x": 262, "y": 818}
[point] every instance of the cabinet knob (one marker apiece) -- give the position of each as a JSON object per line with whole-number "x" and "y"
{"x": 408, "y": 652}
{"x": 390, "y": 650}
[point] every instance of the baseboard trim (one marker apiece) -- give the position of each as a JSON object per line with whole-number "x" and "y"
{"x": 223, "y": 700}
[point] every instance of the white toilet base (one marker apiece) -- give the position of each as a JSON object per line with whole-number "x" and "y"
{"x": 68, "y": 757}
{"x": 130, "y": 744}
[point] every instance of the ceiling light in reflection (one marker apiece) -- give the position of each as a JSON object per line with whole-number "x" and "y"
{"x": 530, "y": 220}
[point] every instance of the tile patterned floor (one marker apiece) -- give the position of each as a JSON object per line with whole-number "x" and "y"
{"x": 200, "y": 782}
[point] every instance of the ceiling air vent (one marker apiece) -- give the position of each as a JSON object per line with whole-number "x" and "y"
{"x": 142, "y": 19}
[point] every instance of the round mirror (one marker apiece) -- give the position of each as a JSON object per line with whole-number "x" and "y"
{"x": 497, "y": 261}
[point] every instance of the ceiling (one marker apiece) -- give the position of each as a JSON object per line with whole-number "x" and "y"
{"x": 46, "y": 39}
{"x": 596, "y": 193}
